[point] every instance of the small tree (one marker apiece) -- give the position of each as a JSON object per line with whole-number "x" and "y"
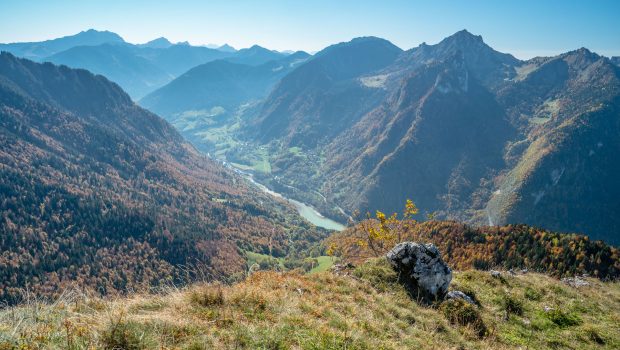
{"x": 384, "y": 232}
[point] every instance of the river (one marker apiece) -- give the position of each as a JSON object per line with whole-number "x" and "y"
{"x": 305, "y": 210}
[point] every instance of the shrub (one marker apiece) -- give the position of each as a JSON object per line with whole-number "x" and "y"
{"x": 512, "y": 305}
{"x": 124, "y": 335}
{"x": 462, "y": 313}
{"x": 252, "y": 302}
{"x": 480, "y": 264}
{"x": 269, "y": 264}
{"x": 532, "y": 294}
{"x": 208, "y": 295}
{"x": 593, "y": 335}
{"x": 562, "y": 318}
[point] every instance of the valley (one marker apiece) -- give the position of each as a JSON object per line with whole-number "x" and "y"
{"x": 306, "y": 211}
{"x": 322, "y": 175}
{"x": 342, "y": 139}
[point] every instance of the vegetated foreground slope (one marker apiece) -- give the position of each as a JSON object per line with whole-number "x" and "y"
{"x": 465, "y": 247}
{"x": 363, "y": 309}
{"x": 98, "y": 192}
{"x": 469, "y": 133}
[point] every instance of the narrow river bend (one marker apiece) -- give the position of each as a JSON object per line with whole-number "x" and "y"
{"x": 306, "y": 211}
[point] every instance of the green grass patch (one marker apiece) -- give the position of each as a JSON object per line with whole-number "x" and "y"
{"x": 325, "y": 263}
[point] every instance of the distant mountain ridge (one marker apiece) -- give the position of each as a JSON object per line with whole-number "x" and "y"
{"x": 255, "y": 55}
{"x": 118, "y": 63}
{"x": 220, "y": 83}
{"x": 39, "y": 50}
{"x": 139, "y": 69}
{"x": 159, "y": 43}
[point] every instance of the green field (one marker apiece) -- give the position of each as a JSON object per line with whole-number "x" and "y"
{"x": 256, "y": 258}
{"x": 325, "y": 263}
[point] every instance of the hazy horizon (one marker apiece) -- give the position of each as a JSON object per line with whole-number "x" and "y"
{"x": 525, "y": 29}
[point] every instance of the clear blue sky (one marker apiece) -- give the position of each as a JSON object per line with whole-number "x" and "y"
{"x": 524, "y": 28}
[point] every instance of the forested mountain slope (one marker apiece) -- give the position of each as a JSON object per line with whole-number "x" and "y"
{"x": 99, "y": 192}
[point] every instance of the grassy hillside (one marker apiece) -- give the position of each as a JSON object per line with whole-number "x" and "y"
{"x": 360, "y": 309}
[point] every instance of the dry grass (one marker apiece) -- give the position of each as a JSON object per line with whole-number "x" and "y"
{"x": 365, "y": 310}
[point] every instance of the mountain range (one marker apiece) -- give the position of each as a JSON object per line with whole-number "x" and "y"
{"x": 138, "y": 69}
{"x": 39, "y": 50}
{"x": 98, "y": 192}
{"x": 212, "y": 94}
{"x": 468, "y": 132}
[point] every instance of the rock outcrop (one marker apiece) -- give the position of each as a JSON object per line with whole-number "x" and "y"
{"x": 422, "y": 270}
{"x": 457, "y": 294}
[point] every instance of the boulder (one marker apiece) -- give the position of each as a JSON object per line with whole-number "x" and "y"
{"x": 421, "y": 270}
{"x": 495, "y": 274}
{"x": 457, "y": 294}
{"x": 342, "y": 269}
{"x": 575, "y": 282}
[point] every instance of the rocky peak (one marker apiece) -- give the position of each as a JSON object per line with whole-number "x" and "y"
{"x": 455, "y": 78}
{"x": 470, "y": 45}
{"x": 463, "y": 36}
{"x": 580, "y": 58}
{"x": 483, "y": 62}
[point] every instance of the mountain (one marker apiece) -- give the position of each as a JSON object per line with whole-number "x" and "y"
{"x": 255, "y": 55}
{"x": 39, "y": 50}
{"x": 322, "y": 96}
{"x": 565, "y": 177}
{"x": 219, "y": 83}
{"x": 179, "y": 58}
{"x": 119, "y": 63}
{"x": 227, "y": 48}
{"x": 138, "y": 69}
{"x": 159, "y": 43}
{"x": 490, "y": 67}
{"x": 100, "y": 192}
{"x": 210, "y": 96}
{"x": 441, "y": 128}
{"x": 468, "y": 132}
{"x": 616, "y": 60}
